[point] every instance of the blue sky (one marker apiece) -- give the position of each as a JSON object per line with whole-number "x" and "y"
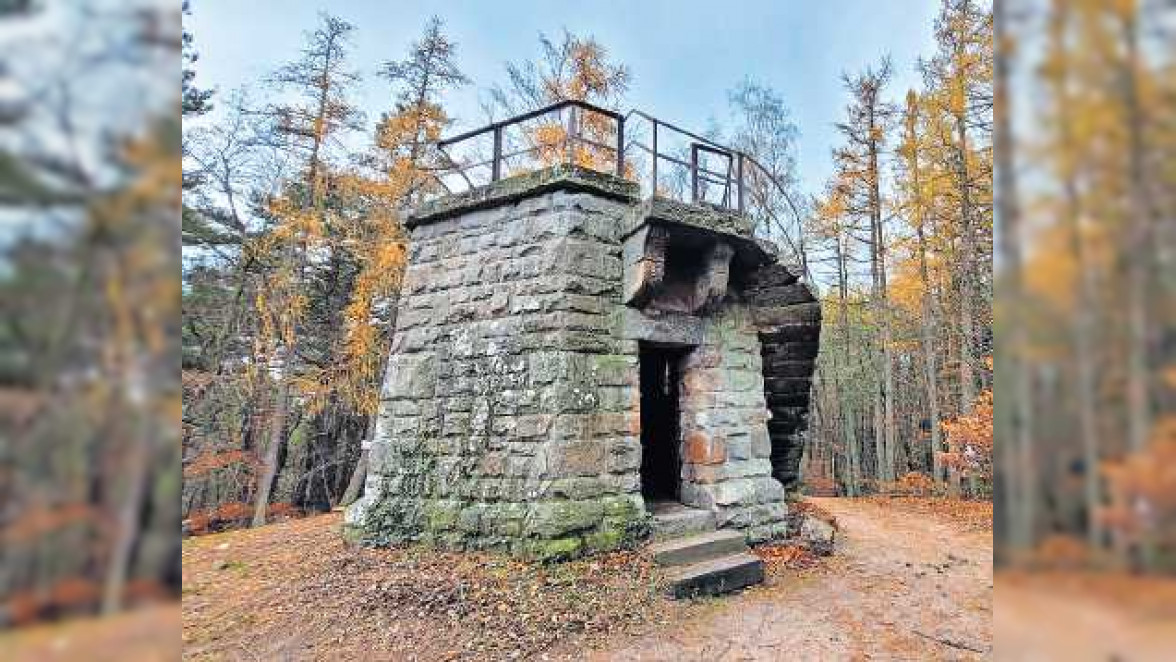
{"x": 684, "y": 55}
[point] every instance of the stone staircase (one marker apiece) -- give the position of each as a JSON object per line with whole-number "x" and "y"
{"x": 700, "y": 559}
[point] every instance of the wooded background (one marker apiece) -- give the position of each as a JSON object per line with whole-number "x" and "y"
{"x": 288, "y": 207}
{"x": 1086, "y": 279}
{"x": 294, "y": 247}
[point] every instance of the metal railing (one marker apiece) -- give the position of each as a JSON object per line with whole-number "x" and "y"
{"x": 666, "y": 160}
{"x": 691, "y": 160}
{"x": 577, "y": 128}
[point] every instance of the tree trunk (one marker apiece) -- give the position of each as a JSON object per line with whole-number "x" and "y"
{"x": 968, "y": 241}
{"x": 888, "y": 423}
{"x": 1083, "y": 327}
{"x": 1139, "y": 232}
{"x": 137, "y": 465}
{"x": 272, "y": 453}
{"x": 930, "y": 366}
{"x": 1139, "y": 410}
{"x": 928, "y": 323}
{"x": 848, "y": 424}
{"x": 1017, "y": 457}
{"x": 359, "y": 474}
{"x": 884, "y": 428}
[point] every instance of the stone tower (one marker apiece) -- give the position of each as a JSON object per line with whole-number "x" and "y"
{"x": 569, "y": 355}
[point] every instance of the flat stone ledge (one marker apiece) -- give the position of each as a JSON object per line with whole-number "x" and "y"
{"x": 704, "y": 220}
{"x": 564, "y": 177}
{"x": 697, "y": 215}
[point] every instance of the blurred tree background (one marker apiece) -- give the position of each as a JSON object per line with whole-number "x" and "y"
{"x": 90, "y": 192}
{"x": 1086, "y": 278}
{"x": 293, "y": 250}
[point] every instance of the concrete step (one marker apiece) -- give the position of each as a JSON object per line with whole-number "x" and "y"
{"x": 674, "y": 520}
{"x": 698, "y": 547}
{"x": 716, "y": 576}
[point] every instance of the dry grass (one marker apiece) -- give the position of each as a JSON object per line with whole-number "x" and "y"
{"x": 295, "y": 589}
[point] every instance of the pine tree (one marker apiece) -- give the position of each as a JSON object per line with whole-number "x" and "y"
{"x": 868, "y": 118}
{"x": 959, "y": 77}
{"x": 576, "y": 68}
{"x": 917, "y": 205}
{"x": 193, "y": 100}
{"x": 309, "y": 128}
{"x": 404, "y": 157}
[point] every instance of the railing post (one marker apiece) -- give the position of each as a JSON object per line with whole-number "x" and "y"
{"x": 694, "y": 173}
{"x": 620, "y": 147}
{"x": 569, "y": 136}
{"x": 739, "y": 177}
{"x": 653, "y": 191}
{"x": 496, "y": 162}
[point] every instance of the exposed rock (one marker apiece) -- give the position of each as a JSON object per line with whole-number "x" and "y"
{"x": 817, "y": 535}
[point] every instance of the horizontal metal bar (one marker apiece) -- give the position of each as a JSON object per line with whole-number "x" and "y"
{"x": 589, "y": 141}
{"x": 682, "y": 131}
{"x": 529, "y": 116}
{"x": 520, "y": 152}
{"x": 717, "y": 180}
{"x": 725, "y": 176}
{"x": 684, "y": 164}
{"x": 468, "y": 166}
{"x": 667, "y": 157}
{"x": 713, "y": 150}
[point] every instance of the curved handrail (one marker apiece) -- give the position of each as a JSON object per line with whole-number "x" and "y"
{"x": 748, "y": 160}
{"x": 733, "y": 184}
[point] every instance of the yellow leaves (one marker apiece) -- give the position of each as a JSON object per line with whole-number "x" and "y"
{"x": 295, "y": 222}
{"x": 588, "y": 75}
{"x": 133, "y": 266}
{"x": 906, "y": 287}
{"x": 413, "y": 125}
{"x": 550, "y": 141}
{"x": 364, "y": 346}
{"x": 1124, "y": 8}
{"x": 314, "y": 387}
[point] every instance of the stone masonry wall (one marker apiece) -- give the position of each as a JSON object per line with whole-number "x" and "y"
{"x": 509, "y": 412}
{"x": 725, "y": 445}
{"x": 788, "y": 318}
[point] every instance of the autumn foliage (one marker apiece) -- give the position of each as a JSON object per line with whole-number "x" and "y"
{"x": 970, "y": 441}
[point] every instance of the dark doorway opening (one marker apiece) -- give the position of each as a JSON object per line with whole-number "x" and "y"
{"x": 661, "y": 466}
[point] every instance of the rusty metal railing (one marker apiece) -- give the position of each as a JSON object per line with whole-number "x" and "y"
{"x": 666, "y": 160}
{"x": 565, "y": 132}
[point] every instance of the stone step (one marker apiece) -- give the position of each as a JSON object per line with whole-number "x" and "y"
{"x": 716, "y": 576}
{"x": 698, "y": 547}
{"x": 674, "y": 520}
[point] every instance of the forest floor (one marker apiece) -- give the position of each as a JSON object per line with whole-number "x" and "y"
{"x": 1085, "y": 616}
{"x": 911, "y": 579}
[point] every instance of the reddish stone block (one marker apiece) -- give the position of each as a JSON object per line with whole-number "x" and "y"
{"x": 701, "y": 449}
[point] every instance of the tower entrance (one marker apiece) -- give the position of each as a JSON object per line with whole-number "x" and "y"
{"x": 661, "y": 463}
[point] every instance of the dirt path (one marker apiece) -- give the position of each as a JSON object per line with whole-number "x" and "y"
{"x": 1085, "y": 617}
{"x": 903, "y": 585}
